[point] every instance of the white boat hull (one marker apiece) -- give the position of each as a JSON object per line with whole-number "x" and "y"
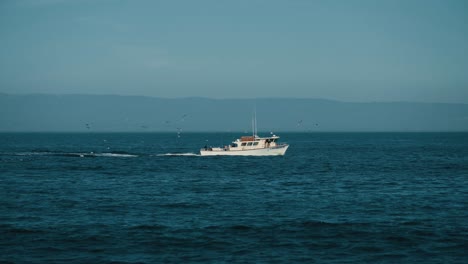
{"x": 273, "y": 151}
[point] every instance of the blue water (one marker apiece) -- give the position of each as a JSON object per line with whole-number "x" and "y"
{"x": 146, "y": 198}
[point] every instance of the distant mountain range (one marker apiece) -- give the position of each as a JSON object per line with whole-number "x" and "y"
{"x": 112, "y": 113}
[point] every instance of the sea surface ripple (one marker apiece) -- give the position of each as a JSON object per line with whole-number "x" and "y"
{"x": 149, "y": 197}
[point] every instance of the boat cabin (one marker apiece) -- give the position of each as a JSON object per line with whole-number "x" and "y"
{"x": 253, "y": 142}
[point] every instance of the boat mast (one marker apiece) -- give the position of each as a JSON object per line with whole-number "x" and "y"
{"x": 254, "y": 123}
{"x": 253, "y": 126}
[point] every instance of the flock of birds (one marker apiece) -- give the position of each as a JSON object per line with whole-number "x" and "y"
{"x": 299, "y": 123}
{"x": 168, "y": 124}
{"x": 176, "y": 124}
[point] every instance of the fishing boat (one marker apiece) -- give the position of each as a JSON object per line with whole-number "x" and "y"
{"x": 249, "y": 146}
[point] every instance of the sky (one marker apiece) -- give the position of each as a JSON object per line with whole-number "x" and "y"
{"x": 357, "y": 51}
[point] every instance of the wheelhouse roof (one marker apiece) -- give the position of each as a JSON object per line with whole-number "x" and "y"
{"x": 256, "y": 138}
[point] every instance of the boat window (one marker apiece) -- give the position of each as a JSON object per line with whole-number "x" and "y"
{"x": 243, "y": 144}
{"x": 255, "y": 143}
{"x": 249, "y": 144}
{"x": 234, "y": 145}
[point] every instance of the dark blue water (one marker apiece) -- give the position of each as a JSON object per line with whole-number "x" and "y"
{"x": 334, "y": 198}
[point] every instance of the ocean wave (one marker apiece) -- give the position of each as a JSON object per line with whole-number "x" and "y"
{"x": 149, "y": 227}
{"x": 20, "y": 230}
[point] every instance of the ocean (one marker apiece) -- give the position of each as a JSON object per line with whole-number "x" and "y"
{"x": 150, "y": 198}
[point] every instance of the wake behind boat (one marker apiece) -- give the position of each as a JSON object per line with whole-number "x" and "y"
{"x": 249, "y": 146}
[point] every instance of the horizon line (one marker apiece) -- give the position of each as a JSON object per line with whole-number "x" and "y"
{"x": 233, "y": 98}
{"x": 226, "y": 132}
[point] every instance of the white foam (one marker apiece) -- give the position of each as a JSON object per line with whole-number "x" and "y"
{"x": 92, "y": 154}
{"x": 78, "y": 154}
{"x": 33, "y": 153}
{"x": 180, "y": 154}
{"x": 114, "y": 155}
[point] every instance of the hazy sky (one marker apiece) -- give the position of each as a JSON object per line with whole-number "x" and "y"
{"x": 409, "y": 50}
